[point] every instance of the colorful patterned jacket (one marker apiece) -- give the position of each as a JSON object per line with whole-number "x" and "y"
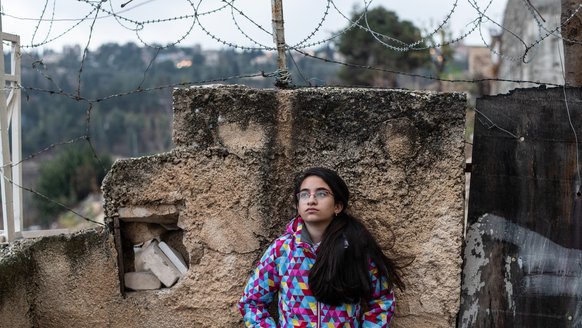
{"x": 284, "y": 269}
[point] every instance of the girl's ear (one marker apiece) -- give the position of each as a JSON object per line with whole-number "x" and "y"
{"x": 338, "y": 207}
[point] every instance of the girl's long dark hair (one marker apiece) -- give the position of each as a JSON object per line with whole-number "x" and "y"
{"x": 341, "y": 270}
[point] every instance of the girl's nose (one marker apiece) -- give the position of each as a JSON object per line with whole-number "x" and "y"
{"x": 312, "y": 199}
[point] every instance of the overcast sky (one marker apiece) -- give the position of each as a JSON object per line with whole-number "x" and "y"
{"x": 23, "y": 17}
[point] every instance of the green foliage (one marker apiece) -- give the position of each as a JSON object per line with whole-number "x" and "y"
{"x": 135, "y": 118}
{"x": 135, "y": 124}
{"x": 68, "y": 178}
{"x": 360, "y": 47}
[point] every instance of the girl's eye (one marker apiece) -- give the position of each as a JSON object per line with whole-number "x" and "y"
{"x": 320, "y": 194}
{"x": 304, "y": 195}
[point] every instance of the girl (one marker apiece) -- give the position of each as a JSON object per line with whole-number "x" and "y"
{"x": 327, "y": 269}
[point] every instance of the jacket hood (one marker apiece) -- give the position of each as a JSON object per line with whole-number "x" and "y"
{"x": 294, "y": 226}
{"x": 295, "y": 229}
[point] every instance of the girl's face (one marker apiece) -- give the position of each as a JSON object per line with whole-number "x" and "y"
{"x": 316, "y": 204}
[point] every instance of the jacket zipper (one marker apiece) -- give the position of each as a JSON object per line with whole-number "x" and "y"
{"x": 318, "y": 324}
{"x": 318, "y": 315}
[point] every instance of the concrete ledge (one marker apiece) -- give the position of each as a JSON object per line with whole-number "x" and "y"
{"x": 162, "y": 214}
{"x": 44, "y": 233}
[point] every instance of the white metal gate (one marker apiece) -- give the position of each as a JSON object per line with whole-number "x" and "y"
{"x": 10, "y": 145}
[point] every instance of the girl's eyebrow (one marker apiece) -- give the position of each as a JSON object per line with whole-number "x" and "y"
{"x": 316, "y": 189}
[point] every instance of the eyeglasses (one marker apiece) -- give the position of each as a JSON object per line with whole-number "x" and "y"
{"x": 319, "y": 195}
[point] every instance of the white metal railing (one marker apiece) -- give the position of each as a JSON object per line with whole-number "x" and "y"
{"x": 10, "y": 146}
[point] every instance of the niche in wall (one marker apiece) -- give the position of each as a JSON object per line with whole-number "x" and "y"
{"x": 153, "y": 255}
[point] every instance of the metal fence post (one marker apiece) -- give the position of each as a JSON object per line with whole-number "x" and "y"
{"x": 283, "y": 79}
{"x": 10, "y": 117}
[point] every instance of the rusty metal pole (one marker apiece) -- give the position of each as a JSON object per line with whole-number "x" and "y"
{"x": 572, "y": 34}
{"x": 283, "y": 79}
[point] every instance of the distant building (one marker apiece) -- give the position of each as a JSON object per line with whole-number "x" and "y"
{"x": 467, "y": 63}
{"x": 52, "y": 57}
{"x": 174, "y": 57}
{"x": 265, "y": 58}
{"x": 542, "y": 62}
{"x": 211, "y": 57}
{"x": 482, "y": 64}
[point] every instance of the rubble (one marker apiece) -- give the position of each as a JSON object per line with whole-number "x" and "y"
{"x": 159, "y": 259}
{"x": 142, "y": 281}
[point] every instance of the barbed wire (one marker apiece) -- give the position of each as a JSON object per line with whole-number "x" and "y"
{"x": 317, "y": 28}
{"x": 181, "y": 38}
{"x": 313, "y": 38}
{"x": 422, "y": 76}
{"x": 541, "y": 37}
{"x": 41, "y": 16}
{"x": 578, "y": 174}
{"x": 477, "y": 22}
{"x": 85, "y": 51}
{"x": 47, "y": 41}
{"x": 51, "y": 200}
{"x": 537, "y": 16}
{"x": 154, "y": 88}
{"x": 232, "y": 10}
{"x": 87, "y": 136}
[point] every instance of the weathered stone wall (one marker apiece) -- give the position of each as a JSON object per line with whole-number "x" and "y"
{"x": 59, "y": 281}
{"x": 230, "y": 176}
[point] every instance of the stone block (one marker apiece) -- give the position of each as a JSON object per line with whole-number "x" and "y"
{"x": 174, "y": 256}
{"x": 162, "y": 214}
{"x": 138, "y": 258}
{"x": 152, "y": 258}
{"x": 142, "y": 281}
{"x": 140, "y": 232}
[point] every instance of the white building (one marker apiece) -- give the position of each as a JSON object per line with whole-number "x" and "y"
{"x": 543, "y": 61}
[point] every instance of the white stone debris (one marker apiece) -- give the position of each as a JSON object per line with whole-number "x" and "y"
{"x": 161, "y": 260}
{"x": 142, "y": 281}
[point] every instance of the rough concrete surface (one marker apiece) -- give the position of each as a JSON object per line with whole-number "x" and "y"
{"x": 230, "y": 176}
{"x": 59, "y": 281}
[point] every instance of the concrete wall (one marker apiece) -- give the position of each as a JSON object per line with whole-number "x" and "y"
{"x": 59, "y": 281}
{"x": 229, "y": 179}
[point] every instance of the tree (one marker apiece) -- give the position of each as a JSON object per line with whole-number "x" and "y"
{"x": 440, "y": 51}
{"x": 359, "y": 46}
{"x": 68, "y": 178}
